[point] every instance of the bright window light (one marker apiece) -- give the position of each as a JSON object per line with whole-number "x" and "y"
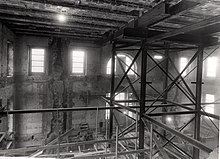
{"x": 211, "y": 66}
{"x": 78, "y": 59}
{"x": 158, "y": 57}
{"x": 37, "y": 60}
{"x": 120, "y": 96}
{"x": 209, "y": 98}
{"x": 62, "y": 18}
{"x": 169, "y": 119}
{"x": 126, "y": 63}
{"x": 183, "y": 63}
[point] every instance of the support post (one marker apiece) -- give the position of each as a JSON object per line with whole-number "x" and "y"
{"x": 96, "y": 122}
{"x": 142, "y": 99}
{"x": 198, "y": 102}
{"x": 165, "y": 84}
{"x": 112, "y": 90}
{"x": 116, "y": 143}
{"x": 151, "y": 141}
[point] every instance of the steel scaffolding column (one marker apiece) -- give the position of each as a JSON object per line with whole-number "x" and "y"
{"x": 112, "y": 90}
{"x": 198, "y": 101}
{"x": 165, "y": 83}
{"x": 142, "y": 98}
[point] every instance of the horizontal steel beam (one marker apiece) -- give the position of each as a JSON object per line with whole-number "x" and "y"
{"x": 84, "y": 108}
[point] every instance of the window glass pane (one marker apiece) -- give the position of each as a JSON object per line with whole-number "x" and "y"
{"x": 77, "y": 65}
{"x": 183, "y": 63}
{"x": 209, "y": 98}
{"x": 38, "y": 52}
{"x": 77, "y": 59}
{"x": 211, "y": 66}
{"x": 37, "y": 63}
{"x": 126, "y": 63}
{"x": 78, "y": 62}
{"x": 37, "y": 60}
{"x": 77, "y": 70}
{"x": 37, "y": 69}
{"x": 78, "y": 54}
{"x": 107, "y": 112}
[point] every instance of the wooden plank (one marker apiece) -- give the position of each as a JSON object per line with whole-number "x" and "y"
{"x": 52, "y": 8}
{"x": 52, "y": 16}
{"x": 35, "y": 21}
{"x": 57, "y": 32}
{"x": 186, "y": 29}
{"x": 101, "y": 6}
{"x": 157, "y": 13}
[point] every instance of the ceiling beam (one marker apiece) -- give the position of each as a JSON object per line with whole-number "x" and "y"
{"x": 51, "y": 16}
{"x": 76, "y": 38}
{"x": 35, "y": 6}
{"x": 156, "y": 14}
{"x": 100, "y": 6}
{"x": 186, "y": 29}
{"x": 26, "y": 20}
{"x": 57, "y": 32}
{"x": 142, "y": 34}
{"x": 54, "y": 27}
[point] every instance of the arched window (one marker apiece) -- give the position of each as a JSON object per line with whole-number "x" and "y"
{"x": 126, "y": 62}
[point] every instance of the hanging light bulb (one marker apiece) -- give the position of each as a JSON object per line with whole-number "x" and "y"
{"x": 169, "y": 119}
{"x": 62, "y": 18}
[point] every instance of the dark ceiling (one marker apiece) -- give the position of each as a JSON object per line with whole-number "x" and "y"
{"x": 103, "y": 20}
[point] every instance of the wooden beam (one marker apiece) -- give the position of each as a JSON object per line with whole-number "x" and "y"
{"x": 52, "y": 16}
{"x": 186, "y": 29}
{"x": 125, "y": 8}
{"x": 76, "y": 38}
{"x": 52, "y": 8}
{"x": 138, "y": 33}
{"x": 52, "y": 27}
{"x": 153, "y": 15}
{"x": 56, "y": 32}
{"x": 33, "y": 21}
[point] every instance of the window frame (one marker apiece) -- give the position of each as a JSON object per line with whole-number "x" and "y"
{"x": 209, "y": 108}
{"x": 130, "y": 73}
{"x": 10, "y": 45}
{"x": 84, "y": 62}
{"x": 210, "y": 63}
{"x": 30, "y": 60}
{"x": 181, "y": 68}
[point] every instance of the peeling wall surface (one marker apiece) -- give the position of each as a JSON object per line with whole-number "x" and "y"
{"x": 6, "y": 82}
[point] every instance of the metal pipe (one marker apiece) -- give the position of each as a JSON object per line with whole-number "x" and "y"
{"x": 142, "y": 98}
{"x": 198, "y": 102}
{"x": 112, "y": 90}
